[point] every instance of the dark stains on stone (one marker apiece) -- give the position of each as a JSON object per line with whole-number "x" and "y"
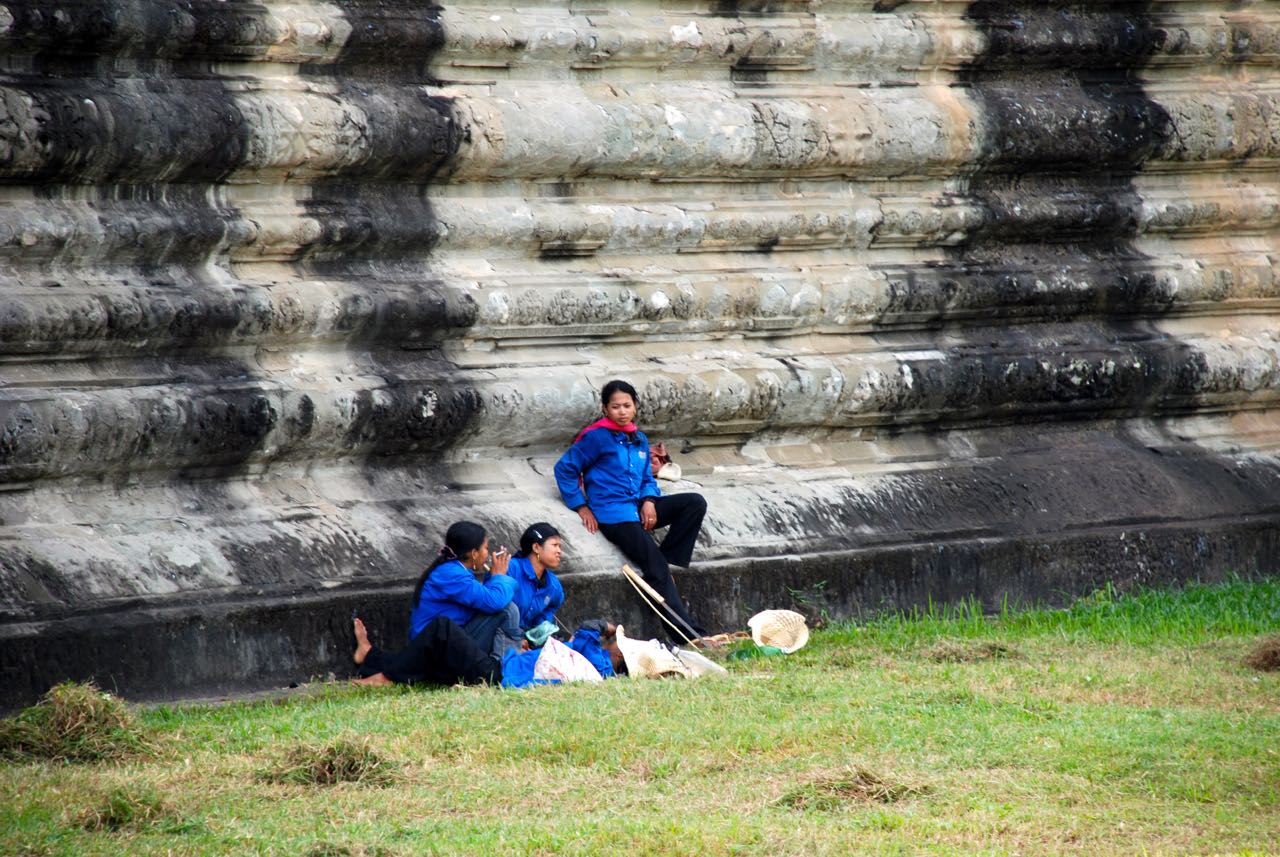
{"x": 108, "y": 28}
{"x": 757, "y": 8}
{"x": 1068, "y": 134}
{"x": 1122, "y": 285}
{"x": 85, "y": 109}
{"x": 174, "y": 308}
{"x": 559, "y": 190}
{"x": 223, "y": 428}
{"x": 31, "y": 580}
{"x": 748, "y": 73}
{"x": 303, "y": 419}
{"x": 392, "y": 38}
{"x": 377, "y": 210}
{"x": 110, "y": 130}
{"x": 1067, "y": 126}
{"x": 410, "y": 416}
{"x": 103, "y": 130}
{"x": 1036, "y": 378}
{"x": 152, "y": 230}
{"x": 377, "y": 223}
{"x": 1032, "y": 483}
{"x": 1072, "y": 37}
{"x": 171, "y": 651}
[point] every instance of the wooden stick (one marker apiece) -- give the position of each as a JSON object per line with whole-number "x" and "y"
{"x": 635, "y": 575}
{"x": 654, "y": 607}
{"x": 642, "y": 586}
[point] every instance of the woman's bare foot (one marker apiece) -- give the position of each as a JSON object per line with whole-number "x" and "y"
{"x": 376, "y": 680}
{"x": 363, "y": 646}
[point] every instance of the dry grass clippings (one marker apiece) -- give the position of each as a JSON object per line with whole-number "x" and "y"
{"x": 334, "y": 849}
{"x": 949, "y": 651}
{"x": 1265, "y": 656}
{"x": 852, "y": 786}
{"x": 131, "y": 808}
{"x": 345, "y": 760}
{"x": 73, "y": 723}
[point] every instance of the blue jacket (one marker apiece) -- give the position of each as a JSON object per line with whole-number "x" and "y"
{"x": 586, "y": 642}
{"x": 536, "y": 603}
{"x": 614, "y": 467}
{"x": 453, "y": 591}
{"x": 517, "y": 669}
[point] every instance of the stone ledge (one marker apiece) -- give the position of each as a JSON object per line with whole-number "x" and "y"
{"x": 230, "y": 648}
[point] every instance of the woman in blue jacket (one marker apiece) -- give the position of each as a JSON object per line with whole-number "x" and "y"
{"x": 453, "y": 587}
{"x": 610, "y": 460}
{"x": 538, "y": 591}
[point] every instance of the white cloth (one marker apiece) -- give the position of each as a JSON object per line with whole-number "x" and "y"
{"x": 558, "y": 662}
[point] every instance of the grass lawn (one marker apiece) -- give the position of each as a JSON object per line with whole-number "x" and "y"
{"x": 1123, "y": 725}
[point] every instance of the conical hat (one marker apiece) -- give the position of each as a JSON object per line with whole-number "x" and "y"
{"x": 784, "y": 629}
{"x": 648, "y": 658}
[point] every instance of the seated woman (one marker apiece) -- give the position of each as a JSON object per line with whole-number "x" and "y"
{"x": 444, "y": 654}
{"x": 610, "y": 459}
{"x": 441, "y": 653}
{"x": 538, "y": 591}
{"x": 453, "y": 587}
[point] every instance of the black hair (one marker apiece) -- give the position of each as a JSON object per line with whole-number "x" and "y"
{"x": 459, "y": 540}
{"x": 616, "y": 386}
{"x": 536, "y": 535}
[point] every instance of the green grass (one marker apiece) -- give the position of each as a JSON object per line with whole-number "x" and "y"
{"x": 1125, "y": 724}
{"x": 1189, "y": 615}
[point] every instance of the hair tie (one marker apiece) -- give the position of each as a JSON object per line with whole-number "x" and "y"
{"x": 447, "y": 552}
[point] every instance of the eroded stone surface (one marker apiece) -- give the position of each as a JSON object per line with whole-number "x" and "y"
{"x": 934, "y": 299}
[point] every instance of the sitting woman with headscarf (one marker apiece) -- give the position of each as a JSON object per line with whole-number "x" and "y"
{"x": 606, "y": 476}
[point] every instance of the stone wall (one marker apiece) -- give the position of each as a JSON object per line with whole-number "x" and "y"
{"x": 933, "y": 299}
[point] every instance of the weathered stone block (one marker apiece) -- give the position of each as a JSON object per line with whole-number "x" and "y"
{"x": 931, "y": 300}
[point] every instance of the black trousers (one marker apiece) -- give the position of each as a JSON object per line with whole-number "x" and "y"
{"x": 683, "y": 514}
{"x": 442, "y": 654}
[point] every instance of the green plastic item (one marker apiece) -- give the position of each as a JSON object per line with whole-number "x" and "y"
{"x": 538, "y": 634}
{"x": 755, "y": 652}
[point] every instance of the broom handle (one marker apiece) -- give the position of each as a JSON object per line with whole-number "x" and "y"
{"x": 644, "y": 584}
{"x": 654, "y": 608}
{"x": 638, "y": 582}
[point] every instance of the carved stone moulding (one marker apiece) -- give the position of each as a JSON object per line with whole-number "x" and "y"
{"x": 930, "y": 299}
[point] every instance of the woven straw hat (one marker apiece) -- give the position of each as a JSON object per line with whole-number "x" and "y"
{"x": 649, "y": 658}
{"x": 784, "y": 629}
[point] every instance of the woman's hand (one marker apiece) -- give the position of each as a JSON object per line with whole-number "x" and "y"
{"x": 588, "y": 519}
{"x": 500, "y": 560}
{"x": 648, "y": 515}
